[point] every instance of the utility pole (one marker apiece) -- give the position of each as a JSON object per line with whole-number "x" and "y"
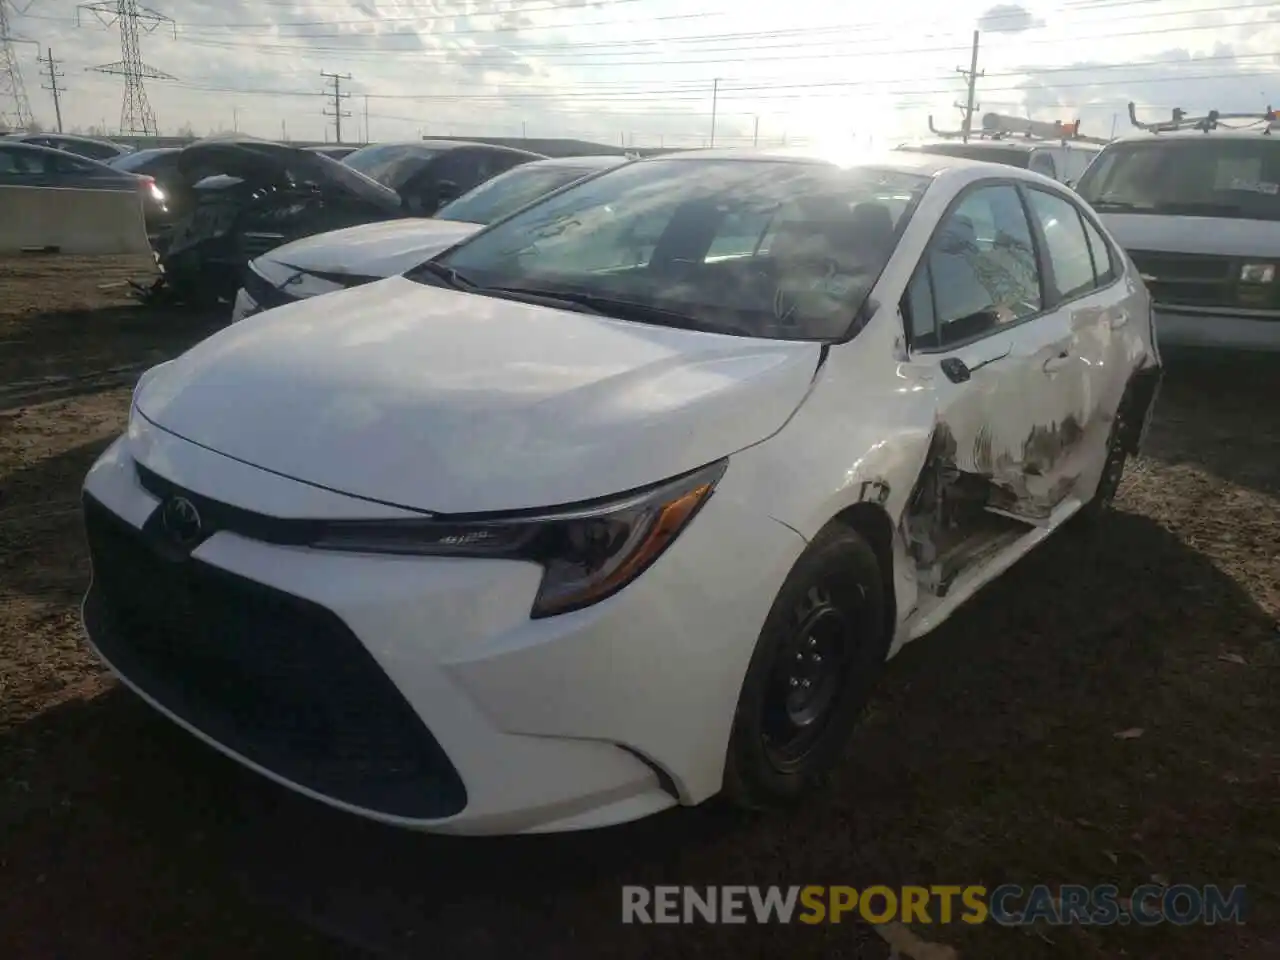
{"x": 971, "y": 76}
{"x": 13, "y": 95}
{"x": 338, "y": 97}
{"x": 54, "y": 75}
{"x": 367, "y": 138}
{"x": 136, "y": 115}
{"x": 755, "y": 134}
{"x": 715, "y": 98}
{"x": 235, "y": 119}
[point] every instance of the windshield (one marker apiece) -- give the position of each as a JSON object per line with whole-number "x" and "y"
{"x": 990, "y": 152}
{"x": 509, "y": 192}
{"x": 389, "y": 164}
{"x": 1208, "y": 176}
{"x": 747, "y": 247}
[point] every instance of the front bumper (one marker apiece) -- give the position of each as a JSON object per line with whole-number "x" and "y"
{"x": 1203, "y": 327}
{"x": 417, "y": 691}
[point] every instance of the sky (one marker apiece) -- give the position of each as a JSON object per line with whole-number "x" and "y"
{"x": 652, "y": 72}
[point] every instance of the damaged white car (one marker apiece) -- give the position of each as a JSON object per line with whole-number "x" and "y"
{"x": 354, "y": 256}
{"x": 624, "y": 501}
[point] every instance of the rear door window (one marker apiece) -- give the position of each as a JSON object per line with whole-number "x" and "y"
{"x": 1068, "y": 246}
{"x": 1104, "y": 265}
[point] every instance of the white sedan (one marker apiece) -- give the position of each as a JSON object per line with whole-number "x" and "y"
{"x": 624, "y": 501}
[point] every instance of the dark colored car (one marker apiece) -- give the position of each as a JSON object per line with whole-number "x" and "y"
{"x": 430, "y": 173}
{"x": 161, "y": 165}
{"x": 243, "y": 197}
{"x": 88, "y": 147}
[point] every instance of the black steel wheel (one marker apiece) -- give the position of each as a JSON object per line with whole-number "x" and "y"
{"x": 813, "y": 669}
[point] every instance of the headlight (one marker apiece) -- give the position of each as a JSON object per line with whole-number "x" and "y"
{"x": 587, "y": 553}
{"x": 1257, "y": 273}
{"x": 157, "y": 194}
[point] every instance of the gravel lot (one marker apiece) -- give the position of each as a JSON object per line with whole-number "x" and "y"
{"x": 990, "y": 756}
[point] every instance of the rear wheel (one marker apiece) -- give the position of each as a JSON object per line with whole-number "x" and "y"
{"x": 821, "y": 649}
{"x": 1113, "y": 467}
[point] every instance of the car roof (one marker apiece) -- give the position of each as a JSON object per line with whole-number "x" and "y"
{"x": 440, "y": 146}
{"x": 1021, "y": 144}
{"x": 597, "y": 162}
{"x": 901, "y": 161}
{"x": 71, "y": 138}
{"x": 20, "y": 144}
{"x": 1221, "y": 133}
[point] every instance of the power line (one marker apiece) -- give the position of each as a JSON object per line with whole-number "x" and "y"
{"x": 338, "y": 97}
{"x": 274, "y": 26}
{"x": 136, "y": 115}
{"x": 699, "y": 92}
{"x": 13, "y": 93}
{"x": 842, "y": 32}
{"x": 54, "y": 75}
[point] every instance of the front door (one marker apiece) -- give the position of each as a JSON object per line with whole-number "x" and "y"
{"x": 1006, "y": 381}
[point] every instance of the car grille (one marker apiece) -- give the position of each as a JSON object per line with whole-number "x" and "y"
{"x": 1194, "y": 280}
{"x": 277, "y": 679}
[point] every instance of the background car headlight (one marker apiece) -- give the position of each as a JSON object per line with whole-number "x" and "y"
{"x": 587, "y": 553}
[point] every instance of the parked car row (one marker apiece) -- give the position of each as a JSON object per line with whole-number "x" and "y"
{"x": 346, "y": 258}
{"x": 623, "y": 499}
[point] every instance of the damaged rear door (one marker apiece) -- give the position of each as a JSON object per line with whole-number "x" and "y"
{"x": 1007, "y": 382}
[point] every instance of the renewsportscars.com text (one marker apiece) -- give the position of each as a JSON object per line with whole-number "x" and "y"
{"x": 1007, "y": 905}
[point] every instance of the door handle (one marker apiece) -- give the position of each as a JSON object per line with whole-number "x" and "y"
{"x": 1056, "y": 362}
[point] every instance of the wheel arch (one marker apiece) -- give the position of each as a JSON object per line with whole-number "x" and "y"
{"x": 872, "y": 522}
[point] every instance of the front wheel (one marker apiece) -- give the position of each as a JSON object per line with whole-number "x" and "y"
{"x": 821, "y": 649}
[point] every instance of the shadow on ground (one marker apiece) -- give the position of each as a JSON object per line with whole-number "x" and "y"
{"x": 989, "y": 757}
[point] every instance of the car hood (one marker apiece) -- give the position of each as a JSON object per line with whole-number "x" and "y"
{"x": 456, "y": 403}
{"x": 261, "y": 164}
{"x": 369, "y": 250}
{"x": 1208, "y": 236}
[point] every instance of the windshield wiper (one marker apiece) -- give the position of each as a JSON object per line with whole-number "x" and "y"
{"x": 620, "y": 309}
{"x": 530, "y": 295}
{"x": 1120, "y": 205}
{"x": 444, "y": 275}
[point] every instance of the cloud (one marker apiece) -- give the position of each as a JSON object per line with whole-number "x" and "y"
{"x": 1008, "y": 18}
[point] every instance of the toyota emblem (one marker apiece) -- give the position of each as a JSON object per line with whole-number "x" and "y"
{"x": 182, "y": 520}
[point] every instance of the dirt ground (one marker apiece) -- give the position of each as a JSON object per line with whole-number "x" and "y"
{"x": 990, "y": 756}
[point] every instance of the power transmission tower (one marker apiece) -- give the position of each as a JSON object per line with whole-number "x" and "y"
{"x": 971, "y": 76}
{"x": 14, "y": 108}
{"x": 338, "y": 97}
{"x": 136, "y": 115}
{"x": 54, "y": 75}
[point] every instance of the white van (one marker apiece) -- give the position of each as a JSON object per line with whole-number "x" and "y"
{"x": 1063, "y": 160}
{"x": 1196, "y": 205}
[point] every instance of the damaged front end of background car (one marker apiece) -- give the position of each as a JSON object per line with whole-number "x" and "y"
{"x": 243, "y": 197}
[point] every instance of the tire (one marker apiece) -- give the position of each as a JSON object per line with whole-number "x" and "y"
{"x": 828, "y": 627}
{"x": 1112, "y": 469}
